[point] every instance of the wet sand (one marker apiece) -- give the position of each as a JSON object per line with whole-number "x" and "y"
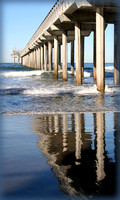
{"x": 40, "y": 154}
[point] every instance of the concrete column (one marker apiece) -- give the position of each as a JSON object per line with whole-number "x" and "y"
{"x": 38, "y": 58}
{"x": 23, "y": 60}
{"x": 82, "y": 55}
{"x": 33, "y": 59}
{"x": 100, "y": 49}
{"x": 72, "y": 55}
{"x": 27, "y": 60}
{"x": 42, "y": 67}
{"x": 49, "y": 56}
{"x": 45, "y": 57}
{"x": 94, "y": 57}
{"x": 30, "y": 59}
{"x": 64, "y": 56}
{"x": 100, "y": 130}
{"x": 59, "y": 57}
{"x": 55, "y": 57}
{"x": 78, "y": 56}
{"x": 116, "y": 53}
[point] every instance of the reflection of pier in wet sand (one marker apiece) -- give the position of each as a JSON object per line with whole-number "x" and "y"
{"x": 80, "y": 151}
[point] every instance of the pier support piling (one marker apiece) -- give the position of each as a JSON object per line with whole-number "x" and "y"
{"x": 94, "y": 57}
{"x": 78, "y": 56}
{"x": 64, "y": 56}
{"x": 33, "y": 59}
{"x": 100, "y": 49}
{"x": 42, "y": 66}
{"x": 82, "y": 55}
{"x": 38, "y": 58}
{"x": 116, "y": 53}
{"x": 59, "y": 57}
{"x": 55, "y": 57}
{"x": 49, "y": 56}
{"x": 45, "y": 57}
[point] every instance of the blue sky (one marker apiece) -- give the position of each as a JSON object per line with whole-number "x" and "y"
{"x": 20, "y": 19}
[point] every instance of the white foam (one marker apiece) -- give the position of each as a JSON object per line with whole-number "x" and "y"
{"x": 23, "y": 73}
{"x": 88, "y": 90}
{"x": 78, "y": 90}
{"x": 38, "y": 73}
{"x": 109, "y": 68}
{"x": 74, "y": 90}
{"x": 86, "y": 74}
{"x": 111, "y": 90}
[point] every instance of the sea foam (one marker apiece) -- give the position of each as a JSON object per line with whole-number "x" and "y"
{"x": 38, "y": 73}
{"x": 23, "y": 73}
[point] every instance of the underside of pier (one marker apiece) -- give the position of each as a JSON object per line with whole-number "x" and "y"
{"x": 70, "y": 21}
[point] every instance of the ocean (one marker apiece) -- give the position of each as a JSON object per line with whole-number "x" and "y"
{"x": 29, "y": 91}
{"x": 58, "y": 140}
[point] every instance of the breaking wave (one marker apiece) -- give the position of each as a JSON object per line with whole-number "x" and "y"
{"x": 23, "y": 73}
{"x": 57, "y": 90}
{"x": 38, "y": 73}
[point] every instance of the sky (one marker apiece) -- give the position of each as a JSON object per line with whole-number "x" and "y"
{"x": 20, "y": 20}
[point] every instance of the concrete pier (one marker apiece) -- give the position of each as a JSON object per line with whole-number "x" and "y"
{"x": 59, "y": 57}
{"x": 38, "y": 58}
{"x": 45, "y": 57}
{"x": 49, "y": 56}
{"x": 64, "y": 56}
{"x": 116, "y": 54}
{"x": 55, "y": 57}
{"x": 100, "y": 48}
{"x": 94, "y": 57}
{"x": 41, "y": 57}
{"x": 70, "y": 22}
{"x": 78, "y": 54}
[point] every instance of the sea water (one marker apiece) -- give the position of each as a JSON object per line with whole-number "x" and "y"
{"x": 25, "y": 90}
{"x": 59, "y": 140}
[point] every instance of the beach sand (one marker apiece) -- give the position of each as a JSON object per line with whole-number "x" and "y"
{"x": 40, "y": 154}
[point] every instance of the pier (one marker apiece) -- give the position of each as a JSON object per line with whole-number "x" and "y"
{"x": 70, "y": 21}
{"x": 16, "y": 54}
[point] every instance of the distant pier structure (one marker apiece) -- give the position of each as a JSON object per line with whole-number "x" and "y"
{"x": 16, "y": 54}
{"x": 70, "y": 21}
